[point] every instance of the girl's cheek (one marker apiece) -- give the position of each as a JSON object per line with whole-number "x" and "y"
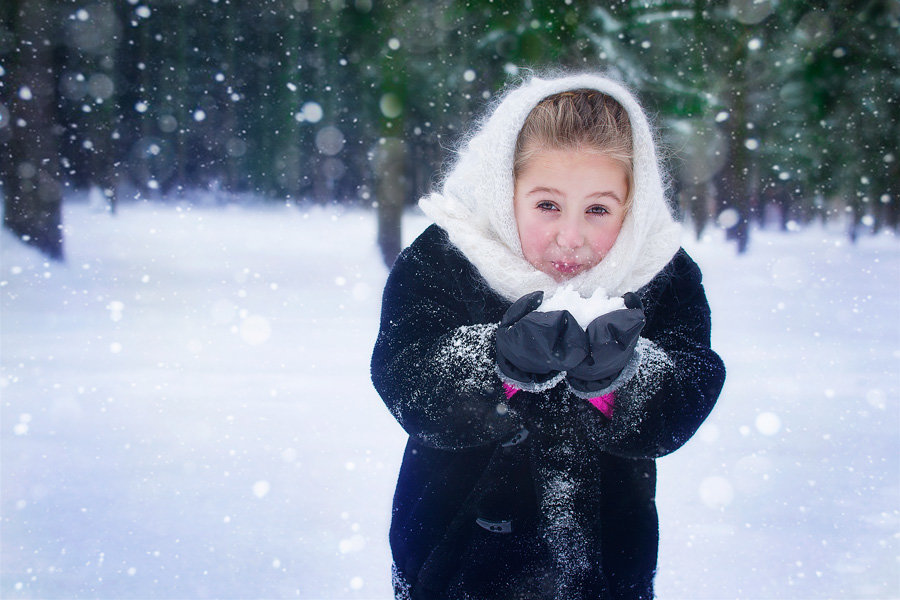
{"x": 547, "y": 236}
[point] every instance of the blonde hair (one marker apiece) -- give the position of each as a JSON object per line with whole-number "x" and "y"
{"x": 583, "y": 120}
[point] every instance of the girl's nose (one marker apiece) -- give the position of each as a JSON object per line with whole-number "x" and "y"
{"x": 569, "y": 236}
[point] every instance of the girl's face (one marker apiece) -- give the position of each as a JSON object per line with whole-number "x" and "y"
{"x": 569, "y": 207}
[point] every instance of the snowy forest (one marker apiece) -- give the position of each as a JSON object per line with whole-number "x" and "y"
{"x": 771, "y": 111}
{"x": 201, "y": 203}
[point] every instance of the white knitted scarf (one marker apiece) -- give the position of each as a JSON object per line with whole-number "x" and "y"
{"x": 475, "y": 205}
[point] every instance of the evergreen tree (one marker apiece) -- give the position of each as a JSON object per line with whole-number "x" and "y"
{"x": 30, "y": 166}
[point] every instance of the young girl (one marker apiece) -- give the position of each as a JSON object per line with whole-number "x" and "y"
{"x": 534, "y": 421}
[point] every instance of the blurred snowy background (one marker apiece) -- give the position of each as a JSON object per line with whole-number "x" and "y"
{"x": 199, "y": 201}
{"x": 771, "y": 111}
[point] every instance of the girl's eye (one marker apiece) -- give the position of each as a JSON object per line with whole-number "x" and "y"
{"x": 546, "y": 205}
{"x": 598, "y": 210}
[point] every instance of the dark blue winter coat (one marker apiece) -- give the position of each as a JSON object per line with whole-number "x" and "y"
{"x": 568, "y": 492}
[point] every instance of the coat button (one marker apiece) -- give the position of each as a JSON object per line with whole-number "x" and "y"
{"x": 516, "y": 439}
{"x": 495, "y": 526}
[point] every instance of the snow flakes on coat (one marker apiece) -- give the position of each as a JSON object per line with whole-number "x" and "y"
{"x": 590, "y": 524}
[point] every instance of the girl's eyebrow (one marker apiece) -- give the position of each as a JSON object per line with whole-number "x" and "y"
{"x": 612, "y": 195}
{"x": 545, "y": 190}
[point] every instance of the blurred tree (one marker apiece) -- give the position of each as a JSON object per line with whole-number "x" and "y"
{"x": 88, "y": 103}
{"x": 391, "y": 153}
{"x": 854, "y": 79}
{"x": 748, "y": 90}
{"x": 29, "y": 156}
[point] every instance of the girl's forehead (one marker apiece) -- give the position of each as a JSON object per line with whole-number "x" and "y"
{"x": 565, "y": 155}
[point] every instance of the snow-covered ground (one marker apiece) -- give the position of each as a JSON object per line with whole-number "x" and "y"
{"x": 187, "y": 413}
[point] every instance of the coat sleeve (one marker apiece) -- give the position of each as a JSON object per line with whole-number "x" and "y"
{"x": 678, "y": 376}
{"x": 433, "y": 368}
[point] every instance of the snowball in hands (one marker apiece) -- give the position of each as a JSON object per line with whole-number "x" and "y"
{"x": 584, "y": 310}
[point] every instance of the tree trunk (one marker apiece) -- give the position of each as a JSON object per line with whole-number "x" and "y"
{"x": 29, "y": 157}
{"x": 391, "y": 182}
{"x": 733, "y": 181}
{"x": 390, "y": 175}
{"x": 696, "y": 200}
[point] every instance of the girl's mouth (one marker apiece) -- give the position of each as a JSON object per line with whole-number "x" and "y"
{"x": 566, "y": 268}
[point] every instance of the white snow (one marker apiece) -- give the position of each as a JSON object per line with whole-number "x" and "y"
{"x": 187, "y": 413}
{"x": 584, "y": 310}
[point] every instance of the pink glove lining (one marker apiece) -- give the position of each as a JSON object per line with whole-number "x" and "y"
{"x": 604, "y": 403}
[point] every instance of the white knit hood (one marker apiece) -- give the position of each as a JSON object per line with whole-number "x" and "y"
{"x": 475, "y": 205}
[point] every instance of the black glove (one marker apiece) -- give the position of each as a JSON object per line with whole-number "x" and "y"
{"x": 534, "y": 347}
{"x": 611, "y": 339}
